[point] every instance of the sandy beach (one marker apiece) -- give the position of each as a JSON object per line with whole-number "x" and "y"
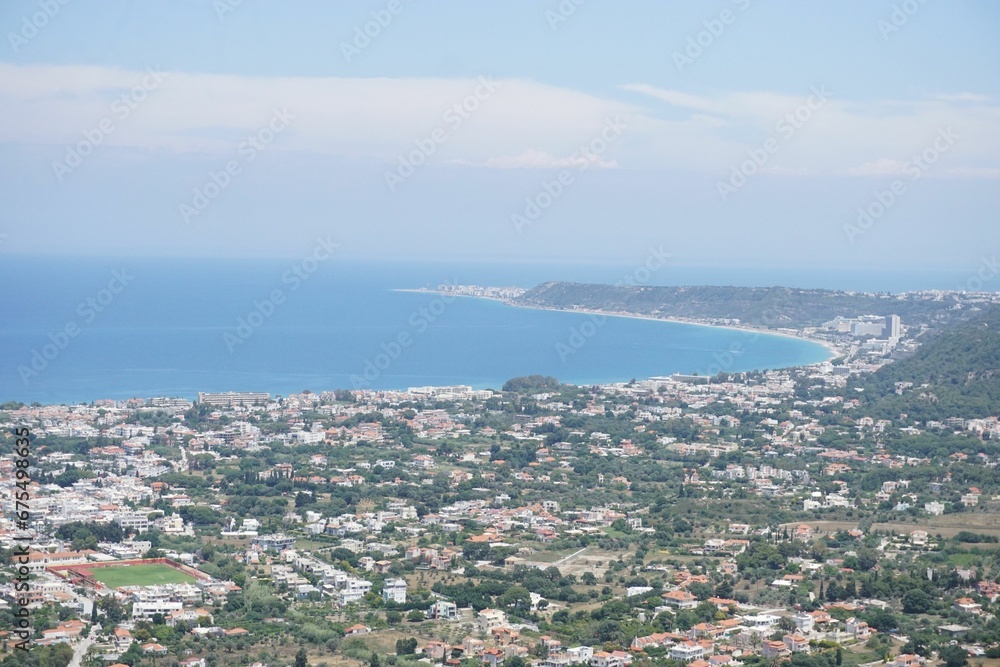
{"x": 831, "y": 349}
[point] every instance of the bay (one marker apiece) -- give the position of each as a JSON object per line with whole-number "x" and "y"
{"x": 173, "y": 327}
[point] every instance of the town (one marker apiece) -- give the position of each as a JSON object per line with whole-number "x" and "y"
{"x": 743, "y": 518}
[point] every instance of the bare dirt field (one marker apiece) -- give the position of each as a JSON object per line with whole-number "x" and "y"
{"x": 576, "y": 562}
{"x": 947, "y": 525}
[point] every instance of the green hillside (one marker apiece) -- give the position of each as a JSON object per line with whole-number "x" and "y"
{"x": 956, "y": 373}
{"x": 759, "y": 306}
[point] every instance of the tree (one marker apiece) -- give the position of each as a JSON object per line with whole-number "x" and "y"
{"x": 916, "y": 601}
{"x": 406, "y": 646}
{"x": 588, "y": 579}
{"x": 301, "y": 659}
{"x": 953, "y": 656}
{"x": 516, "y": 598}
{"x": 374, "y": 661}
{"x": 867, "y": 558}
{"x": 786, "y": 624}
{"x": 415, "y": 616}
{"x": 882, "y": 620}
{"x": 393, "y": 617}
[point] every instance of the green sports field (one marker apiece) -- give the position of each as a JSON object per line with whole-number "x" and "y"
{"x": 140, "y": 575}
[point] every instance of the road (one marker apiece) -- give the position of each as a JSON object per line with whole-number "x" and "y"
{"x": 569, "y": 557}
{"x": 80, "y": 650}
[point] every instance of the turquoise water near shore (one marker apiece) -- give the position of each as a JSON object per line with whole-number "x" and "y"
{"x": 74, "y": 332}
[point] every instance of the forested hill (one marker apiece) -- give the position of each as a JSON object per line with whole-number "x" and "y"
{"x": 955, "y": 373}
{"x": 758, "y": 306}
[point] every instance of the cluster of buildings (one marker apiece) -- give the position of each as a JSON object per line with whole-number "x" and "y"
{"x": 740, "y": 438}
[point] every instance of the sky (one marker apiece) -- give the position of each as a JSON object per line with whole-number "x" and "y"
{"x": 832, "y": 134}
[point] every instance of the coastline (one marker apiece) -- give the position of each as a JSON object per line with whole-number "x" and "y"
{"x": 831, "y": 349}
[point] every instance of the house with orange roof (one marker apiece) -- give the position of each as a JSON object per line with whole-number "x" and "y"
{"x": 515, "y": 651}
{"x": 492, "y": 657}
{"x": 989, "y": 590}
{"x": 796, "y": 643}
{"x": 774, "y": 649}
{"x": 687, "y": 651}
{"x": 436, "y": 650}
{"x": 803, "y": 532}
{"x": 472, "y": 646}
{"x": 504, "y": 636}
{"x": 64, "y": 630}
{"x": 820, "y": 617}
{"x": 706, "y": 631}
{"x": 728, "y": 625}
{"x": 858, "y": 628}
{"x": 967, "y": 605}
{"x": 610, "y": 659}
{"x": 680, "y": 599}
{"x": 491, "y": 618}
{"x": 906, "y": 660}
{"x": 549, "y": 643}
{"x": 122, "y": 639}
{"x": 722, "y": 660}
{"x": 723, "y": 604}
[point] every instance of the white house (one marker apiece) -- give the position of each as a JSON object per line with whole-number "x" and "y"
{"x": 394, "y": 590}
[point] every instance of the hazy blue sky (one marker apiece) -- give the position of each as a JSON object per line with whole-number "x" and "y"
{"x": 725, "y": 131}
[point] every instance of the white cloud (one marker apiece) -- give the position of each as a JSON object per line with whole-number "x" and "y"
{"x": 520, "y": 124}
{"x": 533, "y": 159}
{"x": 881, "y": 167}
{"x": 887, "y": 167}
{"x": 962, "y": 97}
{"x": 377, "y": 118}
{"x": 973, "y": 172}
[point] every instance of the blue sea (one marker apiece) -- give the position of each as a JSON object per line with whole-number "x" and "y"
{"x": 81, "y": 329}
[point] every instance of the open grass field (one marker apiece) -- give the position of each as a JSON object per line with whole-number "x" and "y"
{"x": 147, "y": 574}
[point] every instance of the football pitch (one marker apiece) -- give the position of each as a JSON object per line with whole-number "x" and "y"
{"x": 139, "y": 575}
